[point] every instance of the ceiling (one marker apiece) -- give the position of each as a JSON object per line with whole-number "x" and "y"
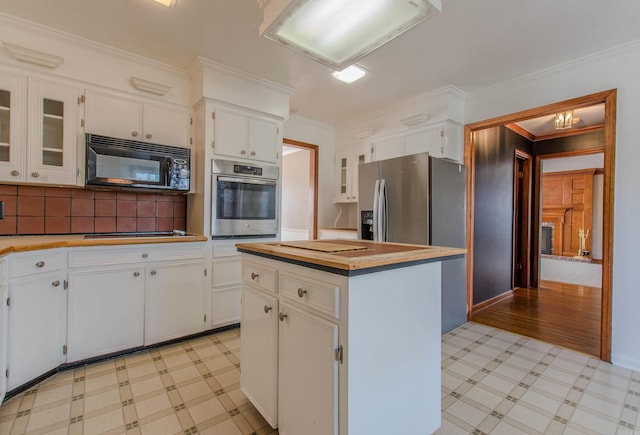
{"x": 585, "y": 119}
{"x": 472, "y": 44}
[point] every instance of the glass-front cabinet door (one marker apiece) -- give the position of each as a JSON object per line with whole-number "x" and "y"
{"x": 12, "y": 134}
{"x": 53, "y": 132}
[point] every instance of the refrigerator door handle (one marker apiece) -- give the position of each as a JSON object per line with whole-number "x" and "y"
{"x": 382, "y": 210}
{"x": 376, "y": 199}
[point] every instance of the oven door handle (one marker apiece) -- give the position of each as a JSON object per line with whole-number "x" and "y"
{"x": 247, "y": 181}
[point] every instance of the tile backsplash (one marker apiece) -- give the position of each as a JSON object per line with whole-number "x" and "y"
{"x": 60, "y": 210}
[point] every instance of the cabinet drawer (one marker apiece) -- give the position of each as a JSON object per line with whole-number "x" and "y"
{"x": 318, "y": 296}
{"x": 260, "y": 276}
{"x": 40, "y": 262}
{"x": 103, "y": 255}
{"x": 227, "y": 270}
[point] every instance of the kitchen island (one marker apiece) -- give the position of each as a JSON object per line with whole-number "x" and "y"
{"x": 343, "y": 336}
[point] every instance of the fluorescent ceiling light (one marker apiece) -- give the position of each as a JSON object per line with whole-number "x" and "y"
{"x": 350, "y": 74}
{"x": 341, "y": 32}
{"x": 169, "y": 3}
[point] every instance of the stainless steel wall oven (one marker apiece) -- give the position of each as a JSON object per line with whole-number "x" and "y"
{"x": 244, "y": 200}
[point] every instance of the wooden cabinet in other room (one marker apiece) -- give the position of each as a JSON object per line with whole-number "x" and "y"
{"x": 125, "y": 118}
{"x": 240, "y": 135}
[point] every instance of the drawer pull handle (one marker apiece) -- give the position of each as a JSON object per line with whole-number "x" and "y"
{"x": 40, "y": 264}
{"x": 55, "y": 283}
{"x": 136, "y": 273}
{"x": 145, "y": 255}
{"x": 153, "y": 272}
{"x": 267, "y": 308}
{"x": 148, "y": 136}
{"x": 243, "y": 152}
{"x": 134, "y": 133}
{"x": 254, "y": 276}
{"x": 301, "y": 292}
{"x": 35, "y": 174}
{"x": 15, "y": 173}
{"x": 282, "y": 316}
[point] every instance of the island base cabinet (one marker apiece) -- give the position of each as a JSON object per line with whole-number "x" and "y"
{"x": 259, "y": 350}
{"x": 174, "y": 301}
{"x": 307, "y": 373}
{"x": 106, "y": 312}
{"x": 35, "y": 327}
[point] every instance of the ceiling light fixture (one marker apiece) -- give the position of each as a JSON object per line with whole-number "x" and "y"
{"x": 169, "y": 3}
{"x": 338, "y": 33}
{"x": 350, "y": 74}
{"x": 565, "y": 120}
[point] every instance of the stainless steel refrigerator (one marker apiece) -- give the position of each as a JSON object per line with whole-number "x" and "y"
{"x": 422, "y": 200}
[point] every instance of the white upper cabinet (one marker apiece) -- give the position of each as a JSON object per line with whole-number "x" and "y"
{"x": 346, "y": 177}
{"x": 440, "y": 140}
{"x": 125, "y": 118}
{"x": 52, "y": 133}
{"x": 237, "y": 134}
{"x": 12, "y": 125}
{"x": 389, "y": 148}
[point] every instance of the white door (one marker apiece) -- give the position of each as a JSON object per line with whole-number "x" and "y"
{"x": 263, "y": 140}
{"x": 231, "y": 133}
{"x": 52, "y": 135}
{"x": 259, "y": 350}
{"x": 111, "y": 115}
{"x": 174, "y": 301}
{"x": 166, "y": 126}
{"x": 12, "y": 126}
{"x": 307, "y": 374}
{"x": 35, "y": 328}
{"x": 106, "y": 312}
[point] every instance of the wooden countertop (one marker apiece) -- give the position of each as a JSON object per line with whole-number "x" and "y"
{"x": 350, "y": 255}
{"x": 31, "y": 243}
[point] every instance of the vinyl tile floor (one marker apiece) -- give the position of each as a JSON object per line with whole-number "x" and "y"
{"x": 493, "y": 382}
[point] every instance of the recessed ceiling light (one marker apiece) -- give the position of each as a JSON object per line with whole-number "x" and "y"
{"x": 170, "y": 3}
{"x": 350, "y": 74}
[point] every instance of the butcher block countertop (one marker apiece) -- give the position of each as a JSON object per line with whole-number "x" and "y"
{"x": 31, "y": 243}
{"x": 349, "y": 255}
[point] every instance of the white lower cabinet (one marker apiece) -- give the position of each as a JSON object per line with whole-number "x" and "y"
{"x": 35, "y": 327}
{"x": 105, "y": 311}
{"x": 307, "y": 373}
{"x": 174, "y": 304}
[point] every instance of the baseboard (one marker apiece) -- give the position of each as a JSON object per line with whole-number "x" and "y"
{"x": 627, "y": 363}
{"x": 493, "y": 300}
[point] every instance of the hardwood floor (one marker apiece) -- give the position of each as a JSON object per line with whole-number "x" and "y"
{"x": 567, "y": 315}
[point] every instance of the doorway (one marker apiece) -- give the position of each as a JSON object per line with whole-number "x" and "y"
{"x": 299, "y": 191}
{"x": 608, "y": 98}
{"x": 522, "y": 220}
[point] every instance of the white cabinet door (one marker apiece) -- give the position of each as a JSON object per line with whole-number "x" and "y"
{"x": 263, "y": 140}
{"x": 307, "y": 374}
{"x": 166, "y": 126}
{"x": 106, "y": 312}
{"x": 35, "y": 327}
{"x": 3, "y": 340}
{"x": 111, "y": 115}
{"x": 226, "y": 291}
{"x": 389, "y": 148}
{"x": 346, "y": 177}
{"x": 12, "y": 126}
{"x": 53, "y": 132}
{"x": 174, "y": 296}
{"x": 231, "y": 133}
{"x": 259, "y": 350}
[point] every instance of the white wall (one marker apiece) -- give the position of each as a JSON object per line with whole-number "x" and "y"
{"x": 588, "y": 161}
{"x": 295, "y": 190}
{"x": 619, "y": 69}
{"x": 323, "y": 135}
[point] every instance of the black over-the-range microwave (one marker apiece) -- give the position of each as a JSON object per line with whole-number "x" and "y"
{"x": 129, "y": 163}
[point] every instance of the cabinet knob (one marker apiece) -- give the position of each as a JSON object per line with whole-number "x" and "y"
{"x": 267, "y": 308}
{"x": 153, "y": 272}
{"x": 282, "y": 316}
{"x": 148, "y": 136}
{"x": 254, "y": 276}
{"x": 55, "y": 283}
{"x": 301, "y": 292}
{"x": 15, "y": 173}
{"x": 136, "y": 273}
{"x": 243, "y": 152}
{"x": 145, "y": 255}
{"x": 134, "y": 133}
{"x": 35, "y": 174}
{"x": 253, "y": 153}
{"x": 40, "y": 264}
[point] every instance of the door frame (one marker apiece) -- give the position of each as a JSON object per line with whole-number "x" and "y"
{"x": 313, "y": 183}
{"x": 525, "y": 218}
{"x": 609, "y": 98}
